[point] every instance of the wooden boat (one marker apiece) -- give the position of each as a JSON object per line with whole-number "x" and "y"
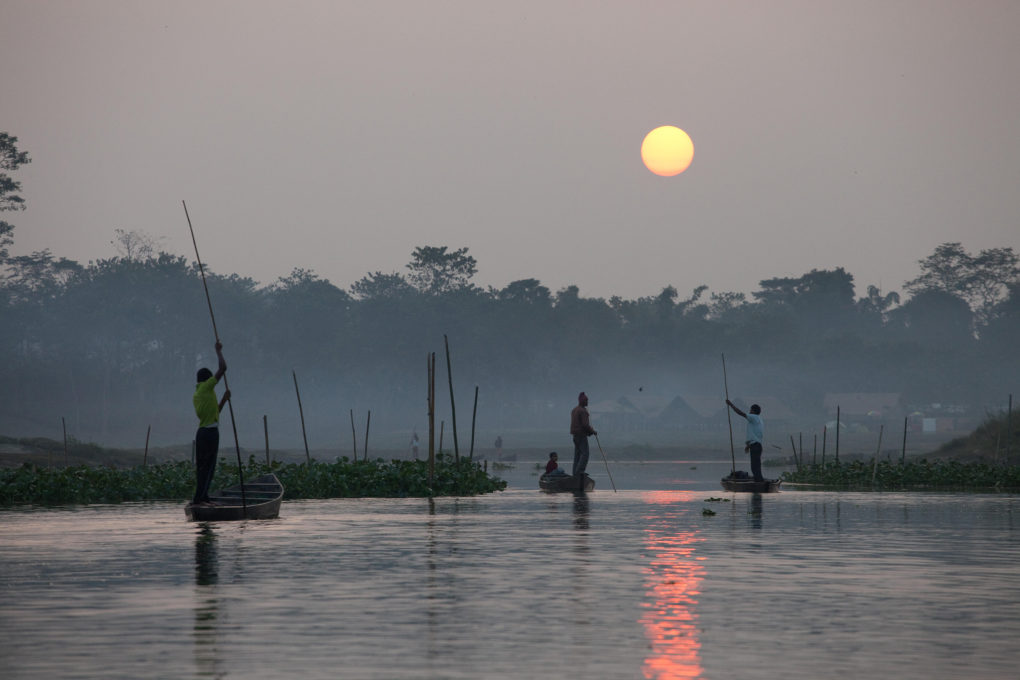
{"x": 741, "y": 481}
{"x": 557, "y": 483}
{"x": 262, "y": 497}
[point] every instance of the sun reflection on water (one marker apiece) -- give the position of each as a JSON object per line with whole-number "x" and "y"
{"x": 672, "y": 578}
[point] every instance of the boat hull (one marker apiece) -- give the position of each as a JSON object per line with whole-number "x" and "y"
{"x": 748, "y": 485}
{"x": 560, "y": 483}
{"x": 262, "y": 498}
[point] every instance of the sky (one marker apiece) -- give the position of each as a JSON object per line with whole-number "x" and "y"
{"x": 338, "y": 136}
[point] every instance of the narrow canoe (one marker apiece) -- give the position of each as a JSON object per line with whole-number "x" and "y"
{"x": 746, "y": 483}
{"x": 262, "y": 497}
{"x": 557, "y": 483}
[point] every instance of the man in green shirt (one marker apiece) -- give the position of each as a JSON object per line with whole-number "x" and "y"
{"x": 207, "y": 439}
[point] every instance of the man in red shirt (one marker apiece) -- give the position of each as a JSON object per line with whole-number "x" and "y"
{"x": 580, "y": 429}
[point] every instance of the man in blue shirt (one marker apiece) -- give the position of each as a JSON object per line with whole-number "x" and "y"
{"x": 754, "y": 437}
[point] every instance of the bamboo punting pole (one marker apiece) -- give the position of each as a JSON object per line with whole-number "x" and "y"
{"x": 474, "y": 412}
{"x": 226, "y": 386}
{"x": 368, "y": 425}
{"x": 874, "y": 468}
{"x": 604, "y": 460}
{"x": 837, "y": 435}
{"x": 729, "y": 420}
{"x": 903, "y": 455}
{"x": 453, "y": 407}
{"x": 794, "y": 447}
{"x": 354, "y": 437}
{"x": 301, "y": 412}
{"x": 265, "y": 428}
{"x": 145, "y": 456}
{"x": 442, "y": 423}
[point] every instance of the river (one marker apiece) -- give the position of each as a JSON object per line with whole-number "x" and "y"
{"x": 638, "y": 583}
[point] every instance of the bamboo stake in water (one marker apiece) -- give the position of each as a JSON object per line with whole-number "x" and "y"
{"x": 874, "y": 469}
{"x": 368, "y": 425}
{"x": 1009, "y": 426}
{"x": 729, "y": 420}
{"x": 226, "y": 386}
{"x": 431, "y": 360}
{"x": 265, "y": 428}
{"x": 453, "y": 407}
{"x": 837, "y": 435}
{"x": 64, "y": 424}
{"x": 301, "y": 411}
{"x": 792, "y": 446}
{"x": 145, "y": 456}
{"x": 474, "y": 413}
{"x": 903, "y": 455}
{"x": 354, "y": 437}
{"x": 825, "y": 433}
{"x": 442, "y": 424}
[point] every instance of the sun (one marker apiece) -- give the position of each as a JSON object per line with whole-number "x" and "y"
{"x": 667, "y": 150}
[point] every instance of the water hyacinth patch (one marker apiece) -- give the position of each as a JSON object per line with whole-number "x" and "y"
{"x": 84, "y": 484}
{"x": 921, "y": 474}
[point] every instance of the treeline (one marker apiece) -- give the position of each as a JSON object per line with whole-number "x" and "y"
{"x": 113, "y": 345}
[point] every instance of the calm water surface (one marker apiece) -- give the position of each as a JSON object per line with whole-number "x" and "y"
{"x": 520, "y": 584}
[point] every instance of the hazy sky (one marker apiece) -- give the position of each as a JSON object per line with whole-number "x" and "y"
{"x": 338, "y": 136}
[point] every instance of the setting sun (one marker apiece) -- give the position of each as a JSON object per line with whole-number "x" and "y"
{"x": 667, "y": 151}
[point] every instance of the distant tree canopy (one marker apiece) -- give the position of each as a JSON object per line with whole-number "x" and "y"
{"x": 117, "y": 341}
{"x": 10, "y": 160}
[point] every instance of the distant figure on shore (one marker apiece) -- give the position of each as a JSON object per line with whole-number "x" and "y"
{"x": 580, "y": 429}
{"x": 754, "y": 437}
{"x": 553, "y": 467}
{"x": 207, "y": 439}
{"x": 414, "y": 445}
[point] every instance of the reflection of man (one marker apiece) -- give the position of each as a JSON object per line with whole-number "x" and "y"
{"x": 580, "y": 428}
{"x": 754, "y": 437}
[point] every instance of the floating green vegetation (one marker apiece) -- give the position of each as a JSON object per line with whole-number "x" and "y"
{"x": 707, "y": 513}
{"x": 83, "y": 484}
{"x": 921, "y": 474}
{"x": 715, "y": 499}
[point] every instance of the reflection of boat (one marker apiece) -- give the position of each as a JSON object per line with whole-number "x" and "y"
{"x": 557, "y": 483}
{"x": 262, "y": 497}
{"x": 741, "y": 481}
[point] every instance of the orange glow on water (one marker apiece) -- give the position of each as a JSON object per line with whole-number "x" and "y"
{"x": 671, "y": 620}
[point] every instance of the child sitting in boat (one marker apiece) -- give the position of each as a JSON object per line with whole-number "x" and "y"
{"x": 552, "y": 467}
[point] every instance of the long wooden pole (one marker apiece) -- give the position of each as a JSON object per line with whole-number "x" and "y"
{"x": 874, "y": 468}
{"x": 301, "y": 412}
{"x": 604, "y": 460}
{"x": 825, "y": 435}
{"x": 453, "y": 406}
{"x": 226, "y": 385}
{"x": 63, "y": 423}
{"x": 354, "y": 437}
{"x": 145, "y": 456}
{"x": 729, "y": 418}
{"x": 368, "y": 426}
{"x": 265, "y": 428}
{"x": 1009, "y": 426}
{"x": 474, "y": 413}
{"x": 903, "y": 455}
{"x": 432, "y": 419}
{"x": 442, "y": 424}
{"x": 837, "y": 435}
